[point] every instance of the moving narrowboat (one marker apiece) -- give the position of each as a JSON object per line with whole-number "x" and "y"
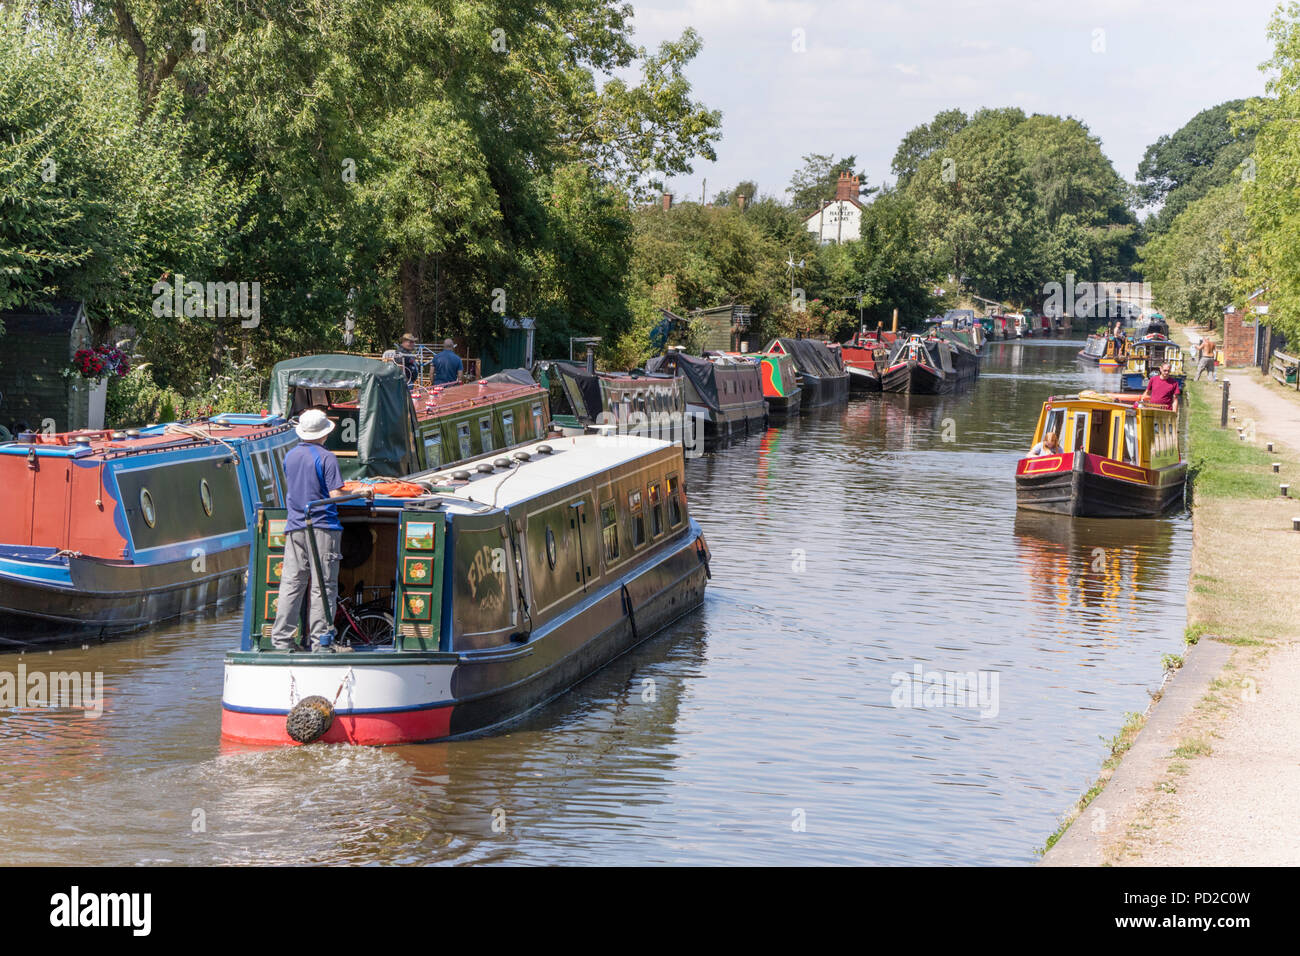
{"x": 725, "y": 393}
{"x": 864, "y": 356}
{"x": 1118, "y": 457}
{"x": 822, "y": 376}
{"x": 581, "y": 397}
{"x": 929, "y": 365}
{"x": 387, "y": 428}
{"x": 1145, "y": 357}
{"x": 506, "y": 583}
{"x": 106, "y": 532}
{"x": 1108, "y": 352}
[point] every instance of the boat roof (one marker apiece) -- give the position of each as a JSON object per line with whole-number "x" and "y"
{"x": 113, "y": 443}
{"x": 1109, "y": 399}
{"x": 568, "y": 460}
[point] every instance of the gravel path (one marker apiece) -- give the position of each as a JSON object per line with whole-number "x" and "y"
{"x": 1238, "y": 805}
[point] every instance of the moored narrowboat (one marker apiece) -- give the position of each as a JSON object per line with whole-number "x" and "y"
{"x": 652, "y": 406}
{"x": 387, "y": 428}
{"x": 107, "y": 532}
{"x": 780, "y": 383}
{"x": 506, "y": 584}
{"x": 1117, "y": 457}
{"x": 822, "y": 376}
{"x": 929, "y": 365}
{"x": 864, "y": 356}
{"x": 723, "y": 392}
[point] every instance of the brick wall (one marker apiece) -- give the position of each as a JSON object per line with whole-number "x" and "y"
{"x": 1238, "y": 338}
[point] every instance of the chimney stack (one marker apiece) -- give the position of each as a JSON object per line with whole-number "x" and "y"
{"x": 847, "y": 187}
{"x": 740, "y": 201}
{"x": 668, "y": 201}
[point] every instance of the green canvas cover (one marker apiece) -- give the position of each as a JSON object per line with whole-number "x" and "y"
{"x": 386, "y": 418}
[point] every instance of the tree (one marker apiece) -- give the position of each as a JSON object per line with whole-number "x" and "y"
{"x": 1206, "y": 152}
{"x": 815, "y": 181}
{"x": 924, "y": 141}
{"x": 1272, "y": 197}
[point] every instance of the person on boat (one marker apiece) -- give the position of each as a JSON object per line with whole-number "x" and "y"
{"x": 311, "y": 473}
{"x": 447, "y": 366}
{"x": 1163, "y": 389}
{"x": 1050, "y": 445}
{"x": 1205, "y": 358}
{"x": 407, "y": 357}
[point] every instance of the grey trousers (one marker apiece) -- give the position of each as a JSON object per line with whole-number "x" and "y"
{"x": 298, "y": 578}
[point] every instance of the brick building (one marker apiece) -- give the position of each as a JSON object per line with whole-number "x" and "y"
{"x": 1242, "y": 329}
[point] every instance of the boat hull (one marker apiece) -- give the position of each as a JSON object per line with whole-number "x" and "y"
{"x": 1083, "y": 485}
{"x": 914, "y": 378}
{"x": 781, "y": 407}
{"x": 819, "y": 390}
{"x": 74, "y": 599}
{"x": 386, "y": 698}
{"x": 863, "y": 380}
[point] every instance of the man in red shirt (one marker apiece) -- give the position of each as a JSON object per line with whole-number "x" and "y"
{"x": 1163, "y": 389}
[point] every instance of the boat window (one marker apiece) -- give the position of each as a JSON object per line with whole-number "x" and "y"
{"x": 462, "y": 432}
{"x": 609, "y": 531}
{"x": 484, "y": 591}
{"x": 538, "y": 424}
{"x": 674, "y": 502}
{"x": 508, "y": 427}
{"x": 638, "y": 519}
{"x": 551, "y": 552}
{"x": 485, "y": 433}
{"x": 1054, "y": 423}
{"x": 656, "y": 511}
{"x": 432, "y": 449}
{"x": 1080, "y": 432}
{"x": 205, "y": 496}
{"x": 1099, "y": 440}
{"x": 146, "y": 507}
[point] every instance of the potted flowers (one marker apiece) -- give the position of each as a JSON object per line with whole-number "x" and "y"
{"x": 96, "y": 366}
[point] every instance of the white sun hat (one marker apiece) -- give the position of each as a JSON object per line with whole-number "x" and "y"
{"x": 313, "y": 424}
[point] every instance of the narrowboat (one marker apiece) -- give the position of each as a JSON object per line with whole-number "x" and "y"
{"x": 105, "y": 532}
{"x": 1118, "y": 457}
{"x": 780, "y": 382}
{"x": 864, "y": 356}
{"x": 928, "y": 365}
{"x": 822, "y": 377}
{"x": 1106, "y": 351}
{"x": 724, "y": 393}
{"x": 1146, "y": 356}
{"x": 387, "y": 428}
{"x": 508, "y": 582}
{"x": 652, "y": 406}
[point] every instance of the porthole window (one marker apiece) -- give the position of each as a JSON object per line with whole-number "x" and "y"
{"x": 146, "y": 507}
{"x": 551, "y": 554}
{"x": 205, "y": 497}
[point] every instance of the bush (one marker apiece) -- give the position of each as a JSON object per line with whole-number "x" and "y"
{"x": 136, "y": 399}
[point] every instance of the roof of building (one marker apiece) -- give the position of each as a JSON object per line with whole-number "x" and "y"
{"x": 55, "y": 315}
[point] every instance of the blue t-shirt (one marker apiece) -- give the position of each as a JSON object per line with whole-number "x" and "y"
{"x": 447, "y": 367}
{"x": 311, "y": 473}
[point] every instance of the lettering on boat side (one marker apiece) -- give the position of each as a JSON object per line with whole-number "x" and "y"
{"x": 56, "y": 690}
{"x": 488, "y": 568}
{"x": 74, "y": 909}
{"x": 923, "y": 689}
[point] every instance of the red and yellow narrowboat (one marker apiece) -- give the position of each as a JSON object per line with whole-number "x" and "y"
{"x": 1115, "y": 456}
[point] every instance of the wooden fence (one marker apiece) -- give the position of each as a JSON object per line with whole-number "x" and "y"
{"x": 1284, "y": 368}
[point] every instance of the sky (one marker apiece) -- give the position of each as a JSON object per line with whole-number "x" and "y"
{"x": 870, "y": 71}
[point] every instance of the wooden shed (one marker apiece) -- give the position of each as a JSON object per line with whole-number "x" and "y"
{"x": 36, "y": 347}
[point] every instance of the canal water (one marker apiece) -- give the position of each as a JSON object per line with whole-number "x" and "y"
{"x": 870, "y": 569}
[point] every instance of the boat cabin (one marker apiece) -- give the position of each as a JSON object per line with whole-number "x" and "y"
{"x": 1145, "y": 357}
{"x": 1117, "y": 427}
{"x": 386, "y": 427}
{"x": 494, "y": 551}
